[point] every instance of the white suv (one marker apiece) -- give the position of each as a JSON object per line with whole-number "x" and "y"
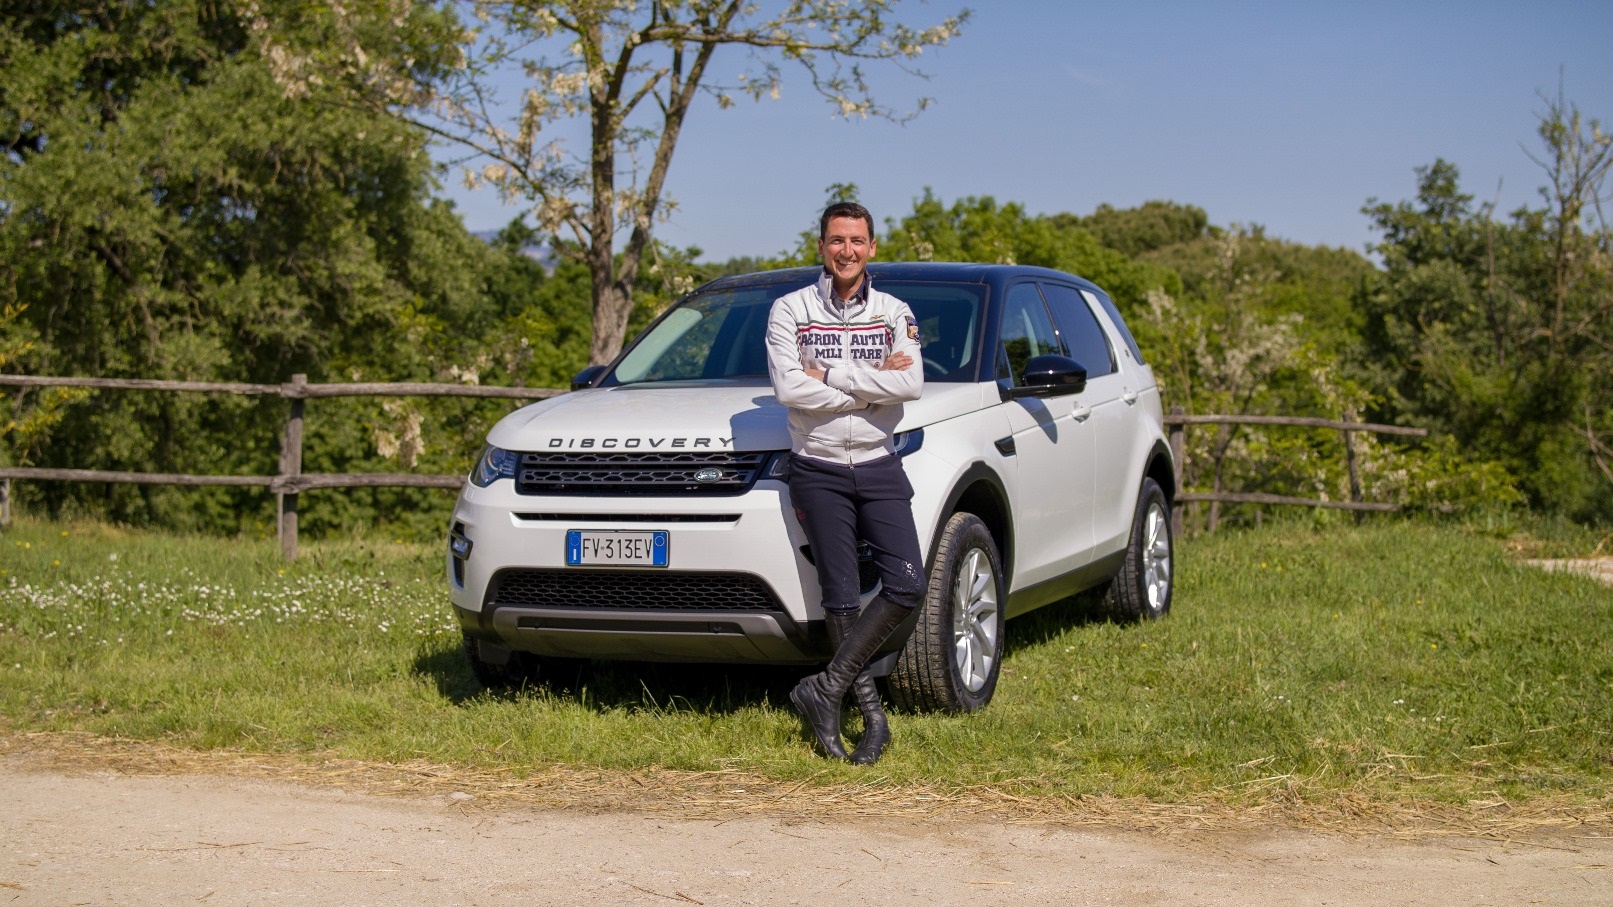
{"x": 645, "y": 516}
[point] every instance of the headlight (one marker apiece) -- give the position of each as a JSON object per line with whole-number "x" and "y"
{"x": 494, "y": 464}
{"x": 909, "y": 442}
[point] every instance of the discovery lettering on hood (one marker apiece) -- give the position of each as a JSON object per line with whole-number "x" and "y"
{"x": 639, "y": 443}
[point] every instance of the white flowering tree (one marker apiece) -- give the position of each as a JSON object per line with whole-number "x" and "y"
{"x": 633, "y": 69}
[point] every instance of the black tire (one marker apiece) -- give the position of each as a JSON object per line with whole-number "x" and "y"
{"x": 952, "y": 660}
{"x": 1142, "y": 589}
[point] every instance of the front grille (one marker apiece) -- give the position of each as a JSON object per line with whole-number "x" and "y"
{"x": 634, "y": 590}
{"x": 717, "y": 472}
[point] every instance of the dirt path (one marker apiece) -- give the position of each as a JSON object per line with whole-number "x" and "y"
{"x": 104, "y": 838}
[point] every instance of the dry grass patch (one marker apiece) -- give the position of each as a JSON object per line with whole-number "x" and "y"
{"x": 731, "y": 794}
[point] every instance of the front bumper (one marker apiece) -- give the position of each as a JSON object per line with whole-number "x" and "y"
{"x": 512, "y": 590}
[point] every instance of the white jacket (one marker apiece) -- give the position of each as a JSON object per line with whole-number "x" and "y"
{"x": 849, "y": 416}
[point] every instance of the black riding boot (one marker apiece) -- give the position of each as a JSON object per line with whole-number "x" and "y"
{"x": 876, "y": 730}
{"x": 818, "y": 697}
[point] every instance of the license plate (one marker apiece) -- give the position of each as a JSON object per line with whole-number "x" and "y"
{"x": 585, "y": 548}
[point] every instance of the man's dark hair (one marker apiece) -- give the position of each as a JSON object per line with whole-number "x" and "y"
{"x": 844, "y": 209}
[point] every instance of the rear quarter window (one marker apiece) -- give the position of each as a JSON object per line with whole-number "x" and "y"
{"x": 1108, "y": 305}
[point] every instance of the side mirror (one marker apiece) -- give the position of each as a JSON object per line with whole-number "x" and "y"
{"x": 589, "y": 375}
{"x": 1049, "y": 376}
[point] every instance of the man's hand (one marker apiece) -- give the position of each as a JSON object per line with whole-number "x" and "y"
{"x": 816, "y": 374}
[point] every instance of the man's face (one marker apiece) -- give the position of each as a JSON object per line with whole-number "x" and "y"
{"x": 846, "y": 248}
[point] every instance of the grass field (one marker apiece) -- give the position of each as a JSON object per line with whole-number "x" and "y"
{"x": 1389, "y": 663}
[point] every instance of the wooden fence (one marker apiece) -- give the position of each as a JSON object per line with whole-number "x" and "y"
{"x": 1177, "y": 421}
{"x": 291, "y": 480}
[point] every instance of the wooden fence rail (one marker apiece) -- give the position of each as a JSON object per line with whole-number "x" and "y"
{"x": 291, "y": 480}
{"x": 1177, "y": 423}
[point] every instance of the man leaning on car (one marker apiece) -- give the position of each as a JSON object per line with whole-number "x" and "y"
{"x": 841, "y": 357}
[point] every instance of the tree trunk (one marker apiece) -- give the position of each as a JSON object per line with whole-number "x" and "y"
{"x": 612, "y": 307}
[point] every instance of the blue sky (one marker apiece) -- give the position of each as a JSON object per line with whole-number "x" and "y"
{"x": 1288, "y": 115}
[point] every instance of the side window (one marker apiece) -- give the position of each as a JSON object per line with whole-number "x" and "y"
{"x": 1114, "y": 315}
{"x": 1025, "y": 332}
{"x": 1083, "y": 336}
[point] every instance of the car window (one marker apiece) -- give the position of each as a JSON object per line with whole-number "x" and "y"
{"x": 1084, "y": 340}
{"x": 1108, "y": 305}
{"x": 719, "y": 335}
{"x": 949, "y": 326}
{"x": 1025, "y": 332}
{"x": 722, "y": 334}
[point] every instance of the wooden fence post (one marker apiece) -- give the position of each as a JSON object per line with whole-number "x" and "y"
{"x": 291, "y": 467}
{"x": 1349, "y": 462}
{"x": 1179, "y": 454}
{"x": 5, "y": 502}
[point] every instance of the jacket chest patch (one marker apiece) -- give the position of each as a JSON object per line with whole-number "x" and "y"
{"x": 855, "y": 342}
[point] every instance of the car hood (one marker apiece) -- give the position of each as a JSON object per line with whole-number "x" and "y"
{"x": 665, "y": 417}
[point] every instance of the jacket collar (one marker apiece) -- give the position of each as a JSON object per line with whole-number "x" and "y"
{"x": 826, "y": 291}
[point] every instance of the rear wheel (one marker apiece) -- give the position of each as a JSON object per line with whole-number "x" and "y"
{"x": 952, "y": 660}
{"x": 1142, "y": 588}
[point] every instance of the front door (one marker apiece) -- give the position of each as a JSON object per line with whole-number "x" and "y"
{"x": 1053, "y": 451}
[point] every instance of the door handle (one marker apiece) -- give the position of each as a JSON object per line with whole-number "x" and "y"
{"x": 1081, "y": 413}
{"x": 1130, "y": 397}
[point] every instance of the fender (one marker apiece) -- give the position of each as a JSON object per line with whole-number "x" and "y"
{"x": 979, "y": 479}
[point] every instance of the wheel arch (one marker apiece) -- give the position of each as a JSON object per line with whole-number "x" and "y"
{"x": 978, "y": 490}
{"x": 1162, "y": 469}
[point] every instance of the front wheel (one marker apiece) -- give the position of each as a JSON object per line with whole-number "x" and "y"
{"x": 1142, "y": 588}
{"x": 951, "y": 662}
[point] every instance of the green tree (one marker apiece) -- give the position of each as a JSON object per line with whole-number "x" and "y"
{"x": 1152, "y": 226}
{"x": 166, "y": 210}
{"x": 980, "y": 229}
{"x": 1228, "y": 346}
{"x": 1499, "y": 333}
{"x": 633, "y": 71}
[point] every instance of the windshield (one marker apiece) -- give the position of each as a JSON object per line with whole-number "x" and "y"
{"x": 722, "y": 334}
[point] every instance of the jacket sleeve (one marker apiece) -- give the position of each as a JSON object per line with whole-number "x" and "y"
{"x": 791, "y": 384}
{"x": 880, "y": 387}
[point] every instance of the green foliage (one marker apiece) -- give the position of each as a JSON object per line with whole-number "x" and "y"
{"x": 979, "y": 229}
{"x": 1438, "y": 477}
{"x": 1134, "y": 232}
{"x": 1388, "y": 665}
{"x": 171, "y": 209}
{"x": 1249, "y": 334}
{"x": 1500, "y": 334}
{"x": 27, "y": 420}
